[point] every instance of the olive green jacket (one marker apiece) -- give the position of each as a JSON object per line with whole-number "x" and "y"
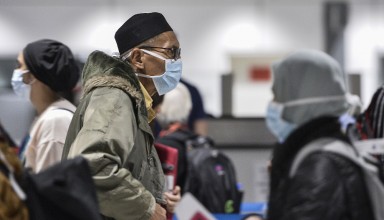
{"x": 110, "y": 129}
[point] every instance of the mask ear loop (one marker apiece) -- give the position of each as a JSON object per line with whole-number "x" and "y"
{"x": 148, "y": 77}
{"x": 155, "y": 55}
{"x": 314, "y": 100}
{"x": 33, "y": 81}
{"x": 126, "y": 56}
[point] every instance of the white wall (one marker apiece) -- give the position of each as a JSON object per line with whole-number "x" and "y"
{"x": 210, "y": 32}
{"x": 365, "y": 43}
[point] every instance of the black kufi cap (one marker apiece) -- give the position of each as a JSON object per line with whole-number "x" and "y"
{"x": 140, "y": 28}
{"x": 52, "y": 63}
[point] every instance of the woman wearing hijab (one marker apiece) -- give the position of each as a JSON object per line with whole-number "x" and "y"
{"x": 46, "y": 70}
{"x": 309, "y": 97}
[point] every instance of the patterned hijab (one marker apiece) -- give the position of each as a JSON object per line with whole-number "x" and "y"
{"x": 370, "y": 122}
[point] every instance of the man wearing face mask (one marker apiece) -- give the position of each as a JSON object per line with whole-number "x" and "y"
{"x": 46, "y": 71}
{"x": 111, "y": 125}
{"x": 309, "y": 97}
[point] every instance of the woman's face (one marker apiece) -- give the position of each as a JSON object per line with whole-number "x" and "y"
{"x": 27, "y": 77}
{"x": 20, "y": 62}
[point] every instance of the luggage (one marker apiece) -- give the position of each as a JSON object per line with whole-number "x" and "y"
{"x": 168, "y": 157}
{"x": 211, "y": 176}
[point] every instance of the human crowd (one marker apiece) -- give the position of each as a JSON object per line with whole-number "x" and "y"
{"x": 115, "y": 129}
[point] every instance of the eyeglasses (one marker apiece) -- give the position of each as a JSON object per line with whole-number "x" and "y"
{"x": 174, "y": 52}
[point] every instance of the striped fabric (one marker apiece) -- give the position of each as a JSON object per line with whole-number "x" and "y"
{"x": 370, "y": 123}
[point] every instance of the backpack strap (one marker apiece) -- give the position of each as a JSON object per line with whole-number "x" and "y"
{"x": 367, "y": 165}
{"x": 308, "y": 149}
{"x": 65, "y": 109}
{"x": 333, "y": 146}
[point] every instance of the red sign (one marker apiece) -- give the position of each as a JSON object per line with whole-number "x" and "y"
{"x": 198, "y": 216}
{"x": 260, "y": 73}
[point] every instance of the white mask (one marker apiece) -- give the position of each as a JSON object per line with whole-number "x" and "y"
{"x": 19, "y": 87}
{"x": 170, "y": 78}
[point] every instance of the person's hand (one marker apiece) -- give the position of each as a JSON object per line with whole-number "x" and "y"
{"x": 172, "y": 199}
{"x": 159, "y": 214}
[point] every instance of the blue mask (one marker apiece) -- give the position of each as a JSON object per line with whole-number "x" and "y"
{"x": 275, "y": 122}
{"x": 19, "y": 87}
{"x": 170, "y": 78}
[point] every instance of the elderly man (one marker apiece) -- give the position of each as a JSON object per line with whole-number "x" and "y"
{"x": 110, "y": 127}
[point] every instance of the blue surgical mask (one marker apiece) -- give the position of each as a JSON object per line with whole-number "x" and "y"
{"x": 19, "y": 87}
{"x": 282, "y": 128}
{"x": 170, "y": 78}
{"x": 275, "y": 122}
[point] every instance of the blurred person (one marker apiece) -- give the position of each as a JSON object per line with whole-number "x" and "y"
{"x": 197, "y": 117}
{"x": 173, "y": 196}
{"x": 309, "y": 97}
{"x": 173, "y": 115}
{"x": 46, "y": 69}
{"x": 370, "y": 123}
{"x": 111, "y": 125}
{"x": 12, "y": 205}
{"x": 200, "y": 167}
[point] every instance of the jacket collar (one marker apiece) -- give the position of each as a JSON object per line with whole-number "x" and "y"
{"x": 148, "y": 104}
{"x": 284, "y": 153}
{"x": 102, "y": 70}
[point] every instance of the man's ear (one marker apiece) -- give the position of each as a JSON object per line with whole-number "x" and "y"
{"x": 137, "y": 58}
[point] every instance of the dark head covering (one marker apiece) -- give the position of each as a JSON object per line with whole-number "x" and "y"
{"x": 140, "y": 28}
{"x": 52, "y": 63}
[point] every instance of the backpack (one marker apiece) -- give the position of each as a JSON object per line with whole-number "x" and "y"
{"x": 368, "y": 165}
{"x": 211, "y": 176}
{"x": 11, "y": 194}
{"x": 62, "y": 191}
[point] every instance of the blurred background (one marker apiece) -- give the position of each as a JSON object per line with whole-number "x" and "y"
{"x": 227, "y": 47}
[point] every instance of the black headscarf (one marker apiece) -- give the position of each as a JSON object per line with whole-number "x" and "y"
{"x": 52, "y": 63}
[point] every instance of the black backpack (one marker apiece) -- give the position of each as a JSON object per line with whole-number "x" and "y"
{"x": 211, "y": 176}
{"x": 61, "y": 192}
{"x": 368, "y": 165}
